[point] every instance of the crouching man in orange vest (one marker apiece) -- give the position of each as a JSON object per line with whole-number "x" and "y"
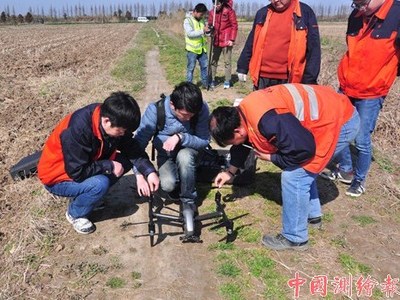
{"x": 297, "y": 127}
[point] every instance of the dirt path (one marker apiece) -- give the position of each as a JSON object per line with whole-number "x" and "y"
{"x": 170, "y": 270}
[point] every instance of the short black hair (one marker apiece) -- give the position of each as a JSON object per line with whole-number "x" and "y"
{"x": 122, "y": 110}
{"x": 187, "y": 96}
{"x": 201, "y": 8}
{"x": 222, "y": 124}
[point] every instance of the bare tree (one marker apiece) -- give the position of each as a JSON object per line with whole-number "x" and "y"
{"x": 3, "y": 17}
{"x": 28, "y": 18}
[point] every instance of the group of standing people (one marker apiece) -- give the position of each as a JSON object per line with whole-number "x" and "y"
{"x": 288, "y": 119}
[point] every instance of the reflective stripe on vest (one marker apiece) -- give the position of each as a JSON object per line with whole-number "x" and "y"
{"x": 195, "y": 45}
{"x": 299, "y": 102}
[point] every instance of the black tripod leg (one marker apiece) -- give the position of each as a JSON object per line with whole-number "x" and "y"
{"x": 151, "y": 225}
{"x": 209, "y": 71}
{"x": 225, "y": 220}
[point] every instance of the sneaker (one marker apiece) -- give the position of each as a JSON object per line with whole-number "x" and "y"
{"x": 315, "y": 222}
{"x": 81, "y": 225}
{"x": 212, "y": 85}
{"x": 227, "y": 85}
{"x": 356, "y": 189}
{"x": 344, "y": 177}
{"x": 279, "y": 242}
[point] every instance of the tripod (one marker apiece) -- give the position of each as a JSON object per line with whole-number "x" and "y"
{"x": 187, "y": 220}
{"x": 209, "y": 71}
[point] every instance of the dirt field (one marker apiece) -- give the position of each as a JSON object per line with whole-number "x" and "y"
{"x": 49, "y": 71}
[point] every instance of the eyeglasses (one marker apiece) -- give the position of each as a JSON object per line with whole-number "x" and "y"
{"x": 362, "y": 6}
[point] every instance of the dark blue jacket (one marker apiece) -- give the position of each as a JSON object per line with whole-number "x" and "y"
{"x": 313, "y": 52}
{"x": 72, "y": 151}
{"x": 295, "y": 144}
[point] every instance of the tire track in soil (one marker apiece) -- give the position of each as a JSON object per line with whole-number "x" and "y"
{"x": 169, "y": 270}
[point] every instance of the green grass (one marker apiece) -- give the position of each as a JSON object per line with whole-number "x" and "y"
{"x": 131, "y": 67}
{"x": 115, "y": 262}
{"x": 384, "y": 162}
{"x": 231, "y": 291}
{"x": 221, "y": 246}
{"x": 249, "y": 234}
{"x": 264, "y": 268}
{"x": 173, "y": 57}
{"x": 364, "y": 220}
{"x": 327, "y": 217}
{"x": 89, "y": 270}
{"x": 115, "y": 282}
{"x": 229, "y": 269}
{"x": 339, "y": 241}
{"x": 352, "y": 266}
{"x": 221, "y": 102}
{"x": 246, "y": 270}
{"x": 136, "y": 275}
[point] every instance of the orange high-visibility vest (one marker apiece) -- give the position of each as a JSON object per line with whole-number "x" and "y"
{"x": 319, "y": 109}
{"x": 51, "y": 167}
{"x": 296, "y": 54}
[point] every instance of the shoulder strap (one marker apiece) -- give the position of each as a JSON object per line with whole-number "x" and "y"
{"x": 160, "y": 113}
{"x": 193, "y": 121}
{"x": 160, "y": 110}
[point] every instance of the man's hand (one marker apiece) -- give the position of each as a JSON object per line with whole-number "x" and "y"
{"x": 118, "y": 169}
{"x": 206, "y": 29}
{"x": 142, "y": 186}
{"x": 146, "y": 187}
{"x": 263, "y": 156}
{"x": 242, "y": 77}
{"x": 230, "y": 44}
{"x": 153, "y": 181}
{"x": 222, "y": 178}
{"x": 171, "y": 142}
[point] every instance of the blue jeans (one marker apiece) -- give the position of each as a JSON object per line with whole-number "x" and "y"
{"x": 368, "y": 111}
{"x": 191, "y": 64}
{"x": 300, "y": 201}
{"x": 348, "y": 133}
{"x": 86, "y": 195}
{"x": 180, "y": 169}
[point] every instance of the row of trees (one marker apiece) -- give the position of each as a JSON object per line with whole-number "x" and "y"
{"x": 112, "y": 12}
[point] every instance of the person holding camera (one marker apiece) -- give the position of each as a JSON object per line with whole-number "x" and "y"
{"x": 283, "y": 46}
{"x": 224, "y": 28}
{"x": 196, "y": 43}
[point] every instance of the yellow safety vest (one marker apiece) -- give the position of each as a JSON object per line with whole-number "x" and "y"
{"x": 196, "y": 45}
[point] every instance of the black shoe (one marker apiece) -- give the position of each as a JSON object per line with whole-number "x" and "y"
{"x": 344, "y": 177}
{"x": 315, "y": 222}
{"x": 356, "y": 189}
{"x": 279, "y": 242}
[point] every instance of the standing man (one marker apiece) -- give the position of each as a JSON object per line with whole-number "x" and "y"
{"x": 298, "y": 128}
{"x": 89, "y": 151}
{"x": 224, "y": 36}
{"x": 178, "y": 140}
{"x": 283, "y": 46}
{"x": 196, "y": 43}
{"x": 366, "y": 73}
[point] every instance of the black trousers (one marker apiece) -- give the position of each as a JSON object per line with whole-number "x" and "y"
{"x": 264, "y": 82}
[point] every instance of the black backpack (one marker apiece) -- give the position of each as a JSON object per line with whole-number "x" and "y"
{"x": 161, "y": 120}
{"x": 211, "y": 161}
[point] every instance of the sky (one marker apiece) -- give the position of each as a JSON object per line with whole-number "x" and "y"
{"x": 22, "y": 6}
